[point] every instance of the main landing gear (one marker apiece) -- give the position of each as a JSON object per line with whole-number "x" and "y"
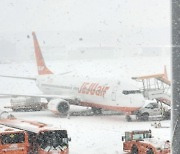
{"x": 96, "y": 111}
{"x": 128, "y": 118}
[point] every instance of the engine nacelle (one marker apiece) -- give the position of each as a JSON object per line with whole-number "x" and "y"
{"x": 59, "y": 106}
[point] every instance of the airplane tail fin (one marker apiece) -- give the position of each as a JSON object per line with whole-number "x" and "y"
{"x": 42, "y": 69}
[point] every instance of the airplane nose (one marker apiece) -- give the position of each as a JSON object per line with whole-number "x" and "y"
{"x": 138, "y": 100}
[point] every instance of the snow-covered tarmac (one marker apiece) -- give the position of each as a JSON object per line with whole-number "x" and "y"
{"x": 89, "y": 134}
{"x": 95, "y": 134}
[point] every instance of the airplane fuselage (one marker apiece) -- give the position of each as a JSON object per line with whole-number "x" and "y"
{"x": 93, "y": 92}
{"x": 61, "y": 91}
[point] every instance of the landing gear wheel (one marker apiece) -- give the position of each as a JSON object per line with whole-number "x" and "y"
{"x": 128, "y": 118}
{"x": 134, "y": 149}
{"x": 39, "y": 108}
{"x": 97, "y": 111}
{"x": 167, "y": 115}
{"x": 17, "y": 110}
{"x": 145, "y": 117}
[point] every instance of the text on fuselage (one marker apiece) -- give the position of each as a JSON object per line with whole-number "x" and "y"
{"x": 93, "y": 89}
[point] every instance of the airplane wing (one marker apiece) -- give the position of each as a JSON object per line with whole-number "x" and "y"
{"x": 18, "y": 77}
{"x": 29, "y": 78}
{"x": 72, "y": 99}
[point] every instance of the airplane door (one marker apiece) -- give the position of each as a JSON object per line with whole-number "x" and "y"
{"x": 114, "y": 91}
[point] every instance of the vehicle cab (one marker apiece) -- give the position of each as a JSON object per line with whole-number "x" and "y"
{"x": 142, "y": 142}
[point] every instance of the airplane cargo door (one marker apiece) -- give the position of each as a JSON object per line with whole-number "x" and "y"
{"x": 114, "y": 91}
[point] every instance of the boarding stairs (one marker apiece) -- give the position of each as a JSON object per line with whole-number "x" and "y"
{"x": 156, "y": 87}
{"x": 159, "y": 94}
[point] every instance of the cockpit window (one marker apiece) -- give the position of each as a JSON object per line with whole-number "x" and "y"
{"x": 127, "y": 92}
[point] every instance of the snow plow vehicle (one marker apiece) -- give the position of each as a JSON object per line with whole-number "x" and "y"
{"x": 42, "y": 138}
{"x": 142, "y": 142}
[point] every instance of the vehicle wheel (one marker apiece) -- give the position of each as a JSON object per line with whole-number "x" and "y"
{"x": 134, "y": 149}
{"x": 128, "y": 118}
{"x": 149, "y": 151}
{"x": 145, "y": 117}
{"x": 97, "y": 111}
{"x": 25, "y": 110}
{"x": 30, "y": 110}
{"x": 138, "y": 117}
{"x": 15, "y": 110}
{"x": 167, "y": 115}
{"x": 38, "y": 108}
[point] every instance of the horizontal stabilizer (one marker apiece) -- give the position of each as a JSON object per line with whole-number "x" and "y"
{"x": 64, "y": 73}
{"x": 18, "y": 77}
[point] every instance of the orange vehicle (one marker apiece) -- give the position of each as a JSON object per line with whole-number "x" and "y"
{"x": 142, "y": 142}
{"x": 42, "y": 138}
{"x": 13, "y": 141}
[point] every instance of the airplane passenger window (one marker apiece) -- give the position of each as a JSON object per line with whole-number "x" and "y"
{"x": 88, "y": 67}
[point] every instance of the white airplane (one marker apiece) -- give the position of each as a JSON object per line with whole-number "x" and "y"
{"x": 63, "y": 90}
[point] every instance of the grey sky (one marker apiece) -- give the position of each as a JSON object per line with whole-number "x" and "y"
{"x": 60, "y": 23}
{"x": 42, "y": 15}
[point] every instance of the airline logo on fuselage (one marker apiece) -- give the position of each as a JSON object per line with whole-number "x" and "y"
{"x": 93, "y": 89}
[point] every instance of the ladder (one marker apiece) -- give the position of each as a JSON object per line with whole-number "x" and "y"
{"x": 156, "y": 87}
{"x": 159, "y": 94}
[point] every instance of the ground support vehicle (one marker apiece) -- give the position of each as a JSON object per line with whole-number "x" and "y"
{"x": 142, "y": 142}
{"x": 42, "y": 138}
{"x": 13, "y": 141}
{"x": 153, "y": 111}
{"x": 155, "y": 87}
{"x": 26, "y": 104}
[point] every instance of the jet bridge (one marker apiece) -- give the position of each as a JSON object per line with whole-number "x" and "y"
{"x": 156, "y": 86}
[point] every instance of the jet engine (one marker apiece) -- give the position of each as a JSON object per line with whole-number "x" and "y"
{"x": 59, "y": 106}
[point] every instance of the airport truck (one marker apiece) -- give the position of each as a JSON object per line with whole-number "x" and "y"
{"x": 26, "y": 104}
{"x": 42, "y": 138}
{"x": 142, "y": 142}
{"x": 153, "y": 111}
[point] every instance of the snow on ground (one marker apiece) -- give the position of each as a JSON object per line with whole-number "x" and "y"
{"x": 89, "y": 134}
{"x": 94, "y": 134}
